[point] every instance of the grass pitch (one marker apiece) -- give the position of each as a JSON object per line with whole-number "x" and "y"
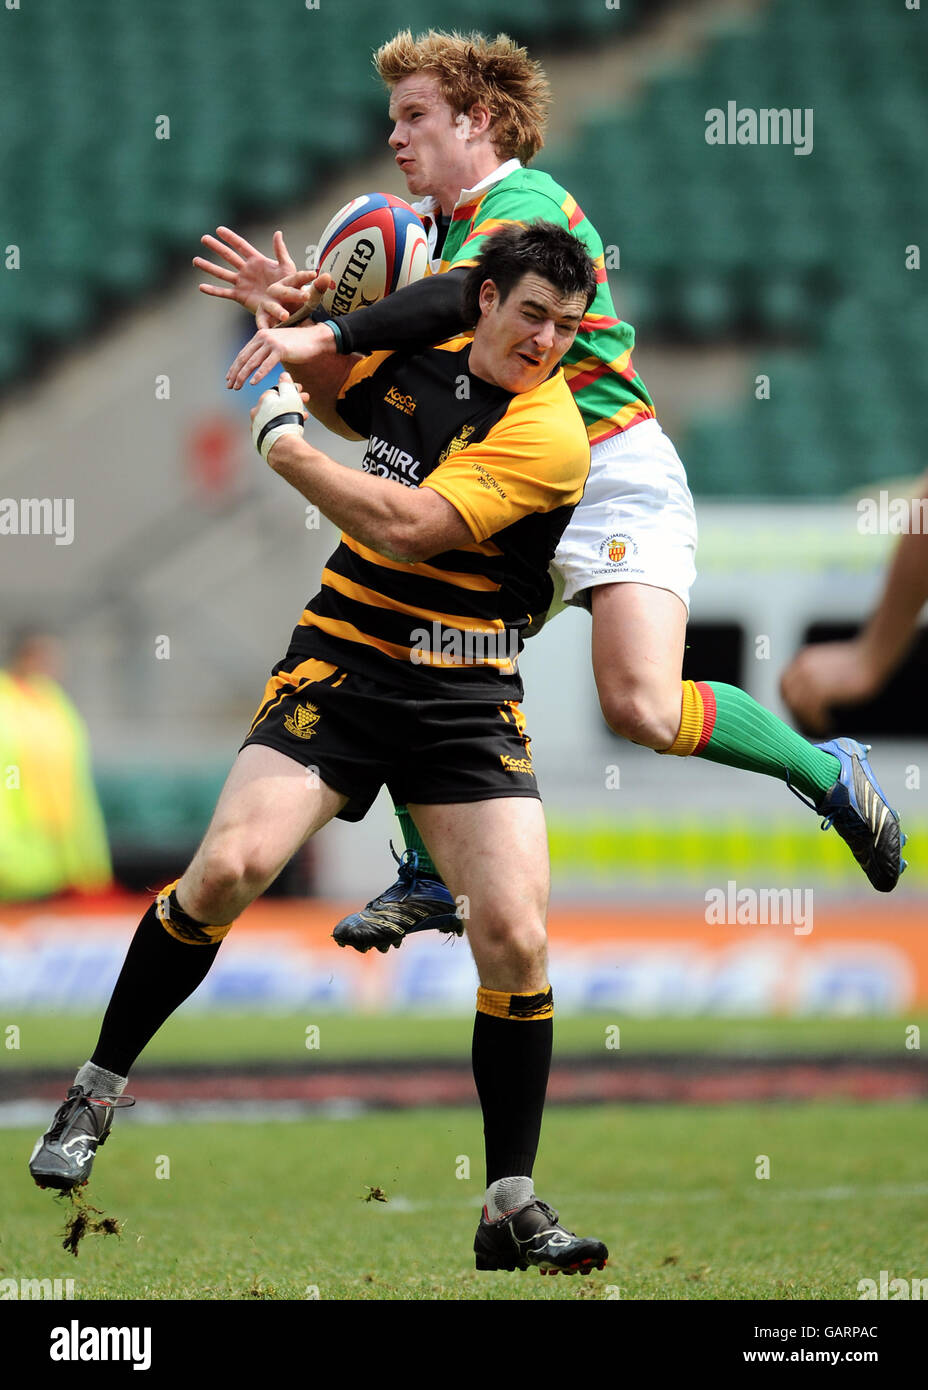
{"x": 190, "y": 1037}
{"x": 277, "y": 1211}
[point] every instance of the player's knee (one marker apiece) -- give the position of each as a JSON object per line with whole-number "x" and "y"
{"x": 214, "y": 897}
{"x": 648, "y": 717}
{"x": 519, "y": 938}
{"x": 229, "y": 877}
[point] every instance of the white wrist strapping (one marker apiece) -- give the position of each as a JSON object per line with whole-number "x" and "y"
{"x": 280, "y": 412}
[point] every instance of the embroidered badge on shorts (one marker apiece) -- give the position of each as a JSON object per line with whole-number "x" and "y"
{"x": 617, "y": 549}
{"x": 302, "y": 722}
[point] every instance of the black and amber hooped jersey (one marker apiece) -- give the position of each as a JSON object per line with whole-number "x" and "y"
{"x": 514, "y": 466}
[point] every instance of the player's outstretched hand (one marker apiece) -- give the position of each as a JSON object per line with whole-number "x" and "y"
{"x": 823, "y": 675}
{"x": 272, "y": 345}
{"x": 248, "y": 275}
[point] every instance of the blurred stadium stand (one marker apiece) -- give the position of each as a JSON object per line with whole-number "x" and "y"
{"x": 258, "y": 113}
{"x": 735, "y": 261}
{"x": 800, "y": 257}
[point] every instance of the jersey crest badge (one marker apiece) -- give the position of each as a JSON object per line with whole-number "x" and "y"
{"x": 302, "y": 722}
{"x": 458, "y": 443}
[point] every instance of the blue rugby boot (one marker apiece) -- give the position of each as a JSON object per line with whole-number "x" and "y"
{"x": 858, "y": 810}
{"x": 415, "y": 902}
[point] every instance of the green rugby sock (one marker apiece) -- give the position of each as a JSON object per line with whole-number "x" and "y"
{"x": 413, "y": 840}
{"x": 724, "y": 725}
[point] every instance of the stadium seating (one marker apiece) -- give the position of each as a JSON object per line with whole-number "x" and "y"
{"x": 99, "y": 206}
{"x": 801, "y": 254}
{"x": 801, "y": 257}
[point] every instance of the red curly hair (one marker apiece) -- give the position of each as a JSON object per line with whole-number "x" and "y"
{"x": 472, "y": 69}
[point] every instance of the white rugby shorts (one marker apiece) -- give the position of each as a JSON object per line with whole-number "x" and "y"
{"x": 635, "y": 523}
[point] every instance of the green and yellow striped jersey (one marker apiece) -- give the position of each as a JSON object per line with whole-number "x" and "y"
{"x": 598, "y": 368}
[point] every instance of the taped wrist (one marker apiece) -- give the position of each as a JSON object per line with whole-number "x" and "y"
{"x": 181, "y": 925}
{"x": 280, "y": 412}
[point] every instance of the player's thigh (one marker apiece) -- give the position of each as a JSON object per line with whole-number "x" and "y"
{"x": 268, "y": 808}
{"x": 639, "y": 635}
{"x": 493, "y": 856}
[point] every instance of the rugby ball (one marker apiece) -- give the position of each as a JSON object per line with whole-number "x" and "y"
{"x": 373, "y": 245}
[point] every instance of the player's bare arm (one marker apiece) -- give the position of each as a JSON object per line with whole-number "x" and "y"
{"x": 322, "y": 378}
{"x": 827, "y": 674}
{"x": 427, "y": 311}
{"x": 402, "y": 523}
{"x": 320, "y": 382}
{"x": 298, "y": 347}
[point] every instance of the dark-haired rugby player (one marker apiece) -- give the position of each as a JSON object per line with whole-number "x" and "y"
{"x": 402, "y": 671}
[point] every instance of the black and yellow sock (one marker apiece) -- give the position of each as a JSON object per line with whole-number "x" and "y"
{"x": 160, "y": 971}
{"x": 513, "y": 1034}
{"x": 413, "y": 840}
{"x": 725, "y": 725}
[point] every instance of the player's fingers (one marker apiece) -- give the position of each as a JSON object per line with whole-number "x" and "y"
{"x": 285, "y": 379}
{"x": 249, "y": 360}
{"x": 788, "y": 684}
{"x": 271, "y": 315}
{"x": 289, "y": 294}
{"x": 290, "y": 303}
{"x": 236, "y": 241}
{"x": 804, "y": 701}
{"x": 280, "y": 251}
{"x": 217, "y": 291}
{"x": 299, "y": 278}
{"x": 239, "y": 360}
{"x": 219, "y": 271}
{"x": 313, "y": 294}
{"x": 261, "y": 371}
{"x": 220, "y": 248}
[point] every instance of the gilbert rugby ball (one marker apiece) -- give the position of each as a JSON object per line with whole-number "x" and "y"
{"x": 373, "y": 245}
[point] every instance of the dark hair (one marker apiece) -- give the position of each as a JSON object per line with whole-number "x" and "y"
{"x": 538, "y": 248}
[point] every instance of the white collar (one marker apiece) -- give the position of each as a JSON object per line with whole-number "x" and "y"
{"x": 432, "y": 208}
